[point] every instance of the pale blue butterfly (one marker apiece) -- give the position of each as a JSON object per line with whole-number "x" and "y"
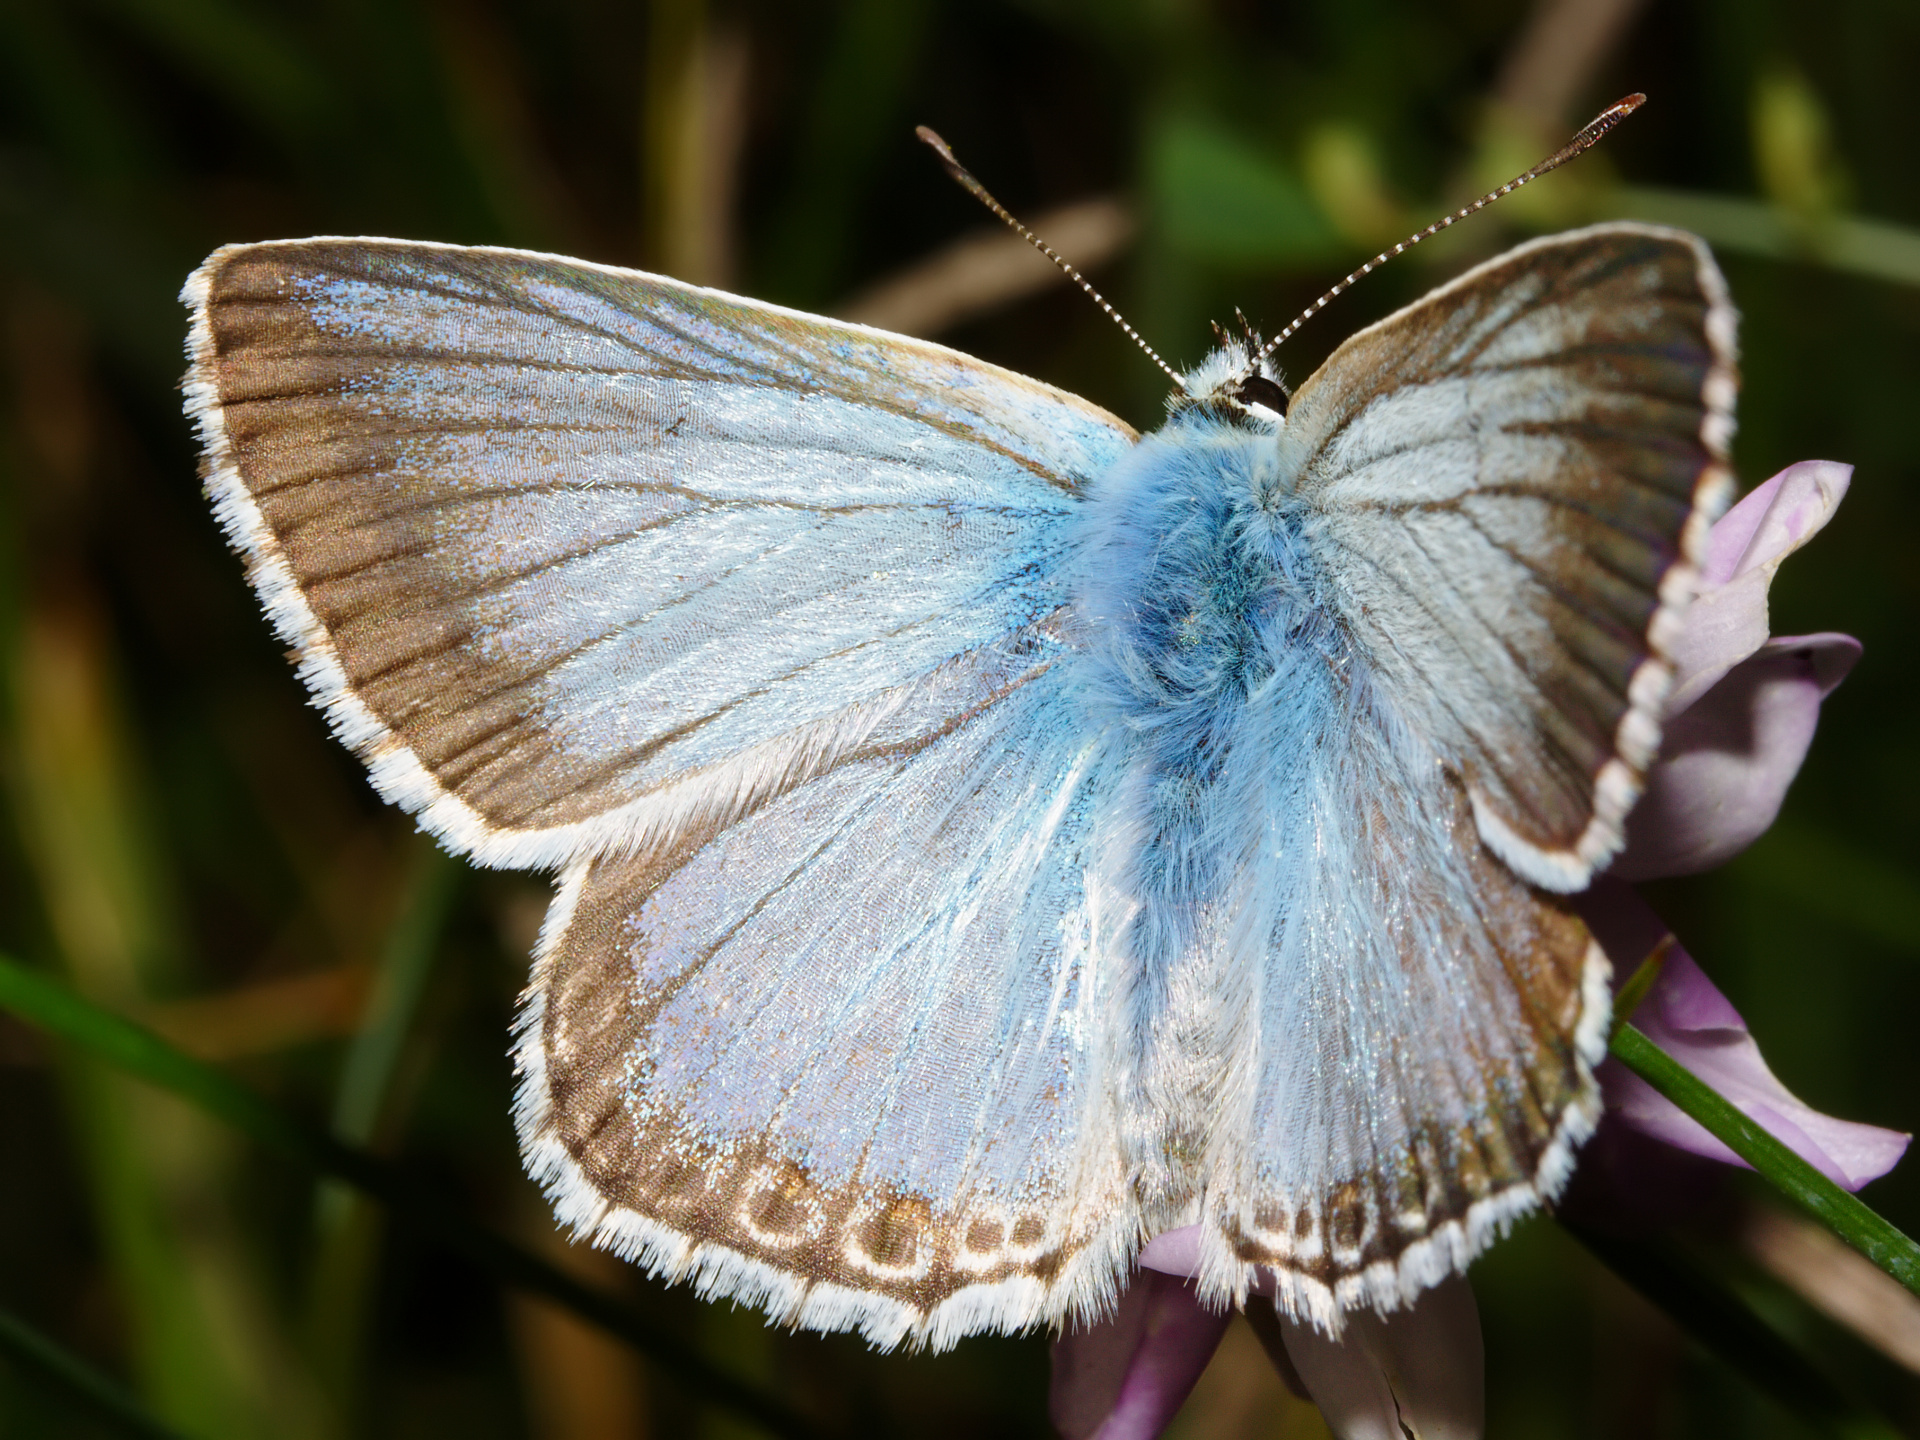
{"x": 988, "y": 838}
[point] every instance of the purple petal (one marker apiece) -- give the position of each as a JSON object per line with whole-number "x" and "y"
{"x": 1727, "y": 622}
{"x": 1417, "y": 1371}
{"x": 1686, "y": 1016}
{"x": 1726, "y": 760}
{"x": 1774, "y": 519}
{"x": 1125, "y": 1378}
{"x": 1423, "y": 1364}
{"x": 1173, "y": 1252}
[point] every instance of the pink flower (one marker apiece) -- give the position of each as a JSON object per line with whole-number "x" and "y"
{"x": 1744, "y": 704}
{"x": 1741, "y": 716}
{"x": 1124, "y": 1379}
{"x": 1739, "y": 721}
{"x": 1686, "y": 1016}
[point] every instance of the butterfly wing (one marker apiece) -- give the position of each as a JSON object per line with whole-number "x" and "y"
{"x": 752, "y": 620}
{"x": 1511, "y": 482}
{"x": 1503, "y": 491}
{"x": 847, "y": 1057}
{"x": 574, "y": 556}
{"x": 1412, "y": 1065}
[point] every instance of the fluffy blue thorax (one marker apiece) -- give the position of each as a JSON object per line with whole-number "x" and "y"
{"x": 1211, "y": 637}
{"x": 1196, "y": 577}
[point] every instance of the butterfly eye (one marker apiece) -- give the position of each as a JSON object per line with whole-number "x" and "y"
{"x": 1259, "y": 390}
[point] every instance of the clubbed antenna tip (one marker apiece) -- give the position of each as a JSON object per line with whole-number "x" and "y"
{"x": 1585, "y": 140}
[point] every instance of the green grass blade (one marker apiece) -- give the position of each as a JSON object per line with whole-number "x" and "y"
{"x": 347, "y": 1223}
{"x": 405, "y": 965}
{"x": 128, "y": 1046}
{"x": 1846, "y": 1215}
{"x": 1727, "y": 1327}
{"x": 202, "y": 1330}
{"x": 133, "y": 1048}
{"x": 1871, "y": 248}
{"x": 98, "y": 1392}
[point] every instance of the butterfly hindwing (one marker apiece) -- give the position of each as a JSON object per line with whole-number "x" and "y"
{"x": 1415, "y": 1064}
{"x": 849, "y": 1057}
{"x": 573, "y": 554}
{"x": 1511, "y": 481}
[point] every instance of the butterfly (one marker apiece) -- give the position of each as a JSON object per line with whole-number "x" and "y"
{"x": 987, "y": 837}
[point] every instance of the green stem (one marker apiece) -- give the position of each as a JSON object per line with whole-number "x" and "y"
{"x": 1825, "y": 1201}
{"x": 140, "y": 1052}
{"x": 101, "y": 1394}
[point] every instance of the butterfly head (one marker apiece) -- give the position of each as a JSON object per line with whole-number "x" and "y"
{"x": 1236, "y": 382}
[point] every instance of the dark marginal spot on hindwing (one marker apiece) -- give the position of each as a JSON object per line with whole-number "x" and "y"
{"x": 1028, "y": 1230}
{"x": 1248, "y": 1248}
{"x": 1046, "y": 1268}
{"x": 785, "y": 1204}
{"x": 985, "y": 1236}
{"x": 1346, "y": 1215}
{"x": 1470, "y": 1168}
{"x": 892, "y": 1238}
{"x": 1404, "y": 1200}
{"x": 1504, "y": 1160}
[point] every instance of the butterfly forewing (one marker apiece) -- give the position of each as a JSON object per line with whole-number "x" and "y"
{"x": 573, "y": 554}
{"x": 1511, "y": 481}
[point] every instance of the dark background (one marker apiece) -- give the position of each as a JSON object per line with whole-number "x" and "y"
{"x": 185, "y": 844}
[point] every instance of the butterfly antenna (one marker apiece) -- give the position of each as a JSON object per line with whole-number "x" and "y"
{"x": 1584, "y": 141}
{"x": 964, "y": 178}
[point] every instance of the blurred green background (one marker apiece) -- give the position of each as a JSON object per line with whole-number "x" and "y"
{"x": 184, "y": 844}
